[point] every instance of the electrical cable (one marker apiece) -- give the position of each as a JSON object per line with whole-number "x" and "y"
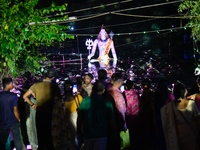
{"x": 135, "y": 8}
{"x": 147, "y": 6}
{"x": 157, "y": 17}
{"x": 121, "y": 24}
{"x": 134, "y": 33}
{"x": 121, "y": 10}
{"x": 90, "y": 8}
{"x": 143, "y": 40}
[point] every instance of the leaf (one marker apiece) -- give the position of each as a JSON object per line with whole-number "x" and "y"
{"x": 4, "y": 64}
{"x": 24, "y": 29}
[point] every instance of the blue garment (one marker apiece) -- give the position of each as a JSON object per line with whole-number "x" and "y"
{"x": 15, "y": 129}
{"x": 8, "y": 101}
{"x": 8, "y": 121}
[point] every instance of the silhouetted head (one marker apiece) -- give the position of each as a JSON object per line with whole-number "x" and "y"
{"x": 117, "y": 80}
{"x": 51, "y": 73}
{"x": 102, "y": 74}
{"x": 146, "y": 84}
{"x": 68, "y": 86}
{"x": 98, "y": 87}
{"x": 128, "y": 85}
{"x": 180, "y": 90}
{"x": 7, "y": 83}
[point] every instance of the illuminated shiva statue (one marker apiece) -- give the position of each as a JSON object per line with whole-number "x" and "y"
{"x": 105, "y": 44}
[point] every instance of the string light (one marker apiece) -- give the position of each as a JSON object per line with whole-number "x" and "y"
{"x": 91, "y": 8}
{"x": 113, "y": 12}
{"x": 142, "y": 40}
{"x": 121, "y": 10}
{"x": 147, "y": 6}
{"x": 115, "y": 25}
{"x": 135, "y": 33}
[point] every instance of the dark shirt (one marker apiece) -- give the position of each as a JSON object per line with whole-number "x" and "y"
{"x": 8, "y": 101}
{"x": 96, "y": 116}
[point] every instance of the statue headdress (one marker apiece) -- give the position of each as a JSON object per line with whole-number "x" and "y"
{"x": 99, "y": 35}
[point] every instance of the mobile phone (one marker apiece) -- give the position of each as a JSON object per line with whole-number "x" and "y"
{"x": 74, "y": 89}
{"x": 122, "y": 88}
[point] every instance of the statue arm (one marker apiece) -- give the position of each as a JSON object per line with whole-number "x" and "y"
{"x": 113, "y": 51}
{"x": 93, "y": 49}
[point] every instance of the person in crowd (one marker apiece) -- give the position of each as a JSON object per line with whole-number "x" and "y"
{"x": 162, "y": 96}
{"x": 102, "y": 76}
{"x": 64, "y": 119}
{"x": 145, "y": 130}
{"x": 72, "y": 102}
{"x": 196, "y": 96}
{"x": 80, "y": 90}
{"x": 9, "y": 115}
{"x": 46, "y": 94}
{"x": 131, "y": 99}
{"x": 115, "y": 96}
{"x": 132, "y": 109}
{"x": 87, "y": 83}
{"x": 180, "y": 120}
{"x": 60, "y": 128}
{"x": 95, "y": 119}
{"x": 31, "y": 126}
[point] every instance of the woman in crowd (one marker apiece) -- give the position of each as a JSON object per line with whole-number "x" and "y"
{"x": 71, "y": 103}
{"x": 64, "y": 119}
{"x": 87, "y": 83}
{"x": 196, "y": 96}
{"x": 146, "y": 125}
{"x": 180, "y": 121}
{"x": 162, "y": 96}
{"x": 132, "y": 110}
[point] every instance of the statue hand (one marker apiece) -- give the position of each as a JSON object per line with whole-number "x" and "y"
{"x": 115, "y": 58}
{"x": 89, "y": 57}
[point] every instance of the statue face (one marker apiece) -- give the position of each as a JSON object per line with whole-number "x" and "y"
{"x": 103, "y": 34}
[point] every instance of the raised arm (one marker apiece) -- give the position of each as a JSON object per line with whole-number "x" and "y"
{"x": 93, "y": 49}
{"x": 113, "y": 51}
{"x": 26, "y": 98}
{"x": 16, "y": 113}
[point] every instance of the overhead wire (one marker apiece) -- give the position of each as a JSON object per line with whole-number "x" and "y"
{"x": 66, "y": 21}
{"x": 147, "y": 6}
{"x": 91, "y": 8}
{"x": 158, "y": 17}
{"x": 134, "y": 8}
{"x": 142, "y": 40}
{"x": 121, "y": 24}
{"x": 112, "y": 12}
{"x": 134, "y": 33}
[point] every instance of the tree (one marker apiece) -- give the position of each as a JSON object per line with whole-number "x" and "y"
{"x": 191, "y": 10}
{"x": 23, "y": 29}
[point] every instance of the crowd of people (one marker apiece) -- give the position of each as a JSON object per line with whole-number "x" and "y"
{"x": 92, "y": 117}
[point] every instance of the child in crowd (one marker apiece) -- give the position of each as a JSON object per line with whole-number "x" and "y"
{"x": 87, "y": 83}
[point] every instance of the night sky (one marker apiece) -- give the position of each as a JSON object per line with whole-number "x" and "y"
{"x": 125, "y": 27}
{"x": 134, "y": 37}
